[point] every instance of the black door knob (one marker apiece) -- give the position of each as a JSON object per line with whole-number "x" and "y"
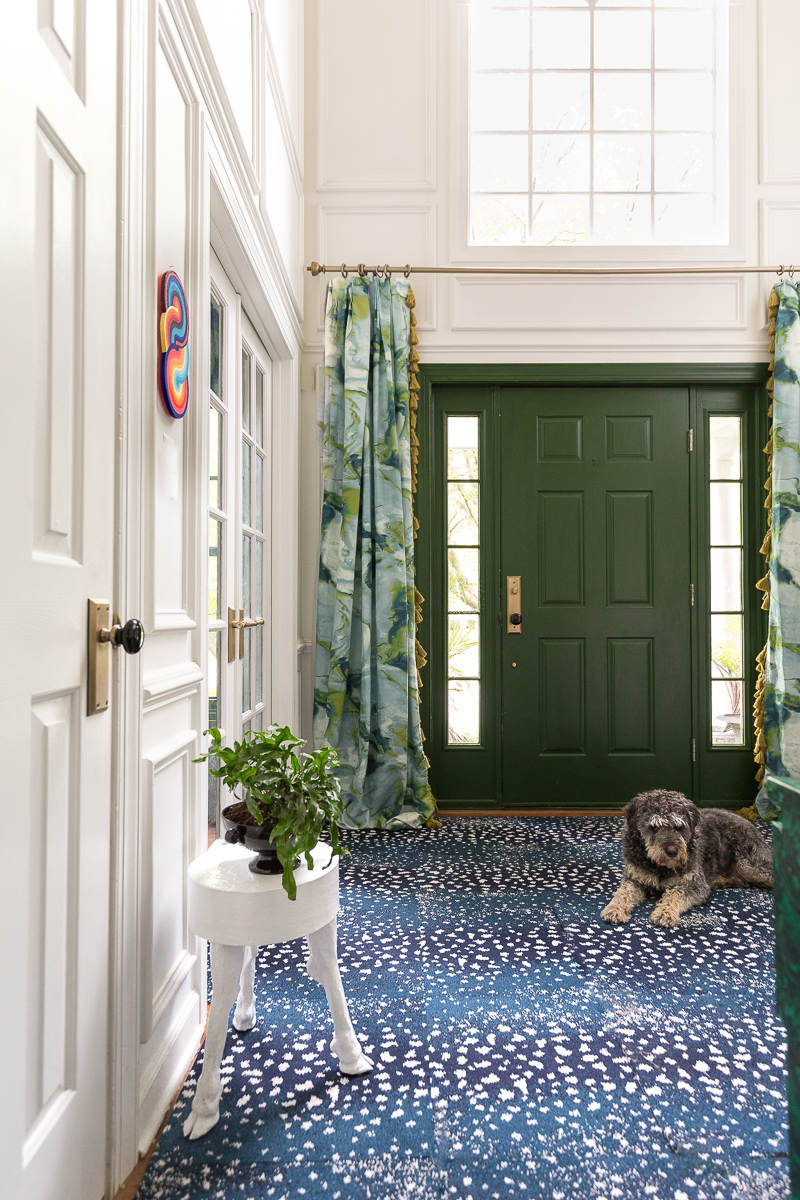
{"x": 516, "y": 618}
{"x": 130, "y": 636}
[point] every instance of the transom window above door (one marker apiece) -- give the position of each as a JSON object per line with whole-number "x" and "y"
{"x": 598, "y": 122}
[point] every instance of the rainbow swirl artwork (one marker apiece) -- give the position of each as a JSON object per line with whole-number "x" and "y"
{"x": 173, "y": 367}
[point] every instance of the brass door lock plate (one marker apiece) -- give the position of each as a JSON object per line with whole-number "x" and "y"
{"x": 97, "y": 690}
{"x": 513, "y": 604}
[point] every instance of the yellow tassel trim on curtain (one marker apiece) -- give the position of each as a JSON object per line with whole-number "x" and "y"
{"x": 413, "y": 405}
{"x": 766, "y": 546}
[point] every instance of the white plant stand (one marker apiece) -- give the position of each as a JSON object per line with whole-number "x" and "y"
{"x": 237, "y": 912}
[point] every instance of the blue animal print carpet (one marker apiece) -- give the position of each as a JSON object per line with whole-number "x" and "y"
{"x": 522, "y": 1047}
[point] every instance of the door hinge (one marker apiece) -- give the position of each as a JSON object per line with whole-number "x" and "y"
{"x": 691, "y": 594}
{"x": 690, "y": 441}
{"x": 694, "y": 750}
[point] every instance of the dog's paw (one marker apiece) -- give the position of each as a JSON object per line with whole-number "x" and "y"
{"x": 615, "y": 914}
{"x": 665, "y": 918}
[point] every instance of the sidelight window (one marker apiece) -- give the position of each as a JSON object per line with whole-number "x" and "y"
{"x": 726, "y": 556}
{"x": 598, "y": 122}
{"x": 463, "y": 581}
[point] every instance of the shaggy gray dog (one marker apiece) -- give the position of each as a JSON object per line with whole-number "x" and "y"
{"x": 676, "y": 853}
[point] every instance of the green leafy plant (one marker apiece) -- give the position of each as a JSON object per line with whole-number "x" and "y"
{"x": 276, "y": 784}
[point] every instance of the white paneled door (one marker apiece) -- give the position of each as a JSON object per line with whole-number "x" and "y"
{"x": 57, "y": 453}
{"x": 239, "y": 544}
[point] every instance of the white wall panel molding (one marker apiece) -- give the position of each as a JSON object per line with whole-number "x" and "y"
{"x": 376, "y": 233}
{"x": 362, "y": 145}
{"x": 779, "y": 101}
{"x": 558, "y": 305}
{"x": 172, "y": 683}
{"x": 58, "y": 362}
{"x": 283, "y": 26}
{"x": 275, "y": 88}
{"x": 601, "y": 351}
{"x": 166, "y": 847}
{"x": 779, "y": 241}
{"x": 63, "y": 30}
{"x": 162, "y": 1077}
{"x": 53, "y": 892}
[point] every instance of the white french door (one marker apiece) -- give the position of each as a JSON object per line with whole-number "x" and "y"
{"x": 239, "y": 547}
{"x": 58, "y": 225}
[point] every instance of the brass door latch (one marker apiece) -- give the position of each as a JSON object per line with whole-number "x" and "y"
{"x": 513, "y": 604}
{"x": 129, "y": 636}
{"x": 241, "y": 625}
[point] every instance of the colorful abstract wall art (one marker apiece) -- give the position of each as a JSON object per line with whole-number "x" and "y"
{"x": 173, "y": 366}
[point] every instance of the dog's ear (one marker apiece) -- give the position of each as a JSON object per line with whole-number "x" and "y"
{"x": 631, "y": 811}
{"x": 691, "y": 815}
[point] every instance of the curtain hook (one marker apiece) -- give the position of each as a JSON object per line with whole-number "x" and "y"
{"x": 407, "y": 271}
{"x": 344, "y": 271}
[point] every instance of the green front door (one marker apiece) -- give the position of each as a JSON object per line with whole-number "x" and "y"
{"x": 594, "y": 520}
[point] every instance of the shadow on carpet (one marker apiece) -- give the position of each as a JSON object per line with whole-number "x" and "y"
{"x": 522, "y": 1047}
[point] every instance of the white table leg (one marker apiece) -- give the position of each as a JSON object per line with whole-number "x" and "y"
{"x": 323, "y": 965}
{"x": 244, "y": 1015}
{"x": 226, "y": 968}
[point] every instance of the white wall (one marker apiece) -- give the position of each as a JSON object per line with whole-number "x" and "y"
{"x": 385, "y": 181}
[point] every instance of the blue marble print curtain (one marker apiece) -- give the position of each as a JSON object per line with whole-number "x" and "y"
{"x": 366, "y": 702}
{"x": 782, "y": 666}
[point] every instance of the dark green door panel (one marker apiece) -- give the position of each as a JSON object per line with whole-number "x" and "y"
{"x": 596, "y": 689}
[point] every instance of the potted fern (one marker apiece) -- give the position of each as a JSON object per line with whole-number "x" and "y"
{"x": 282, "y": 801}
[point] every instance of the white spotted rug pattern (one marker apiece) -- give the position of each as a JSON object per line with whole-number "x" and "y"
{"x": 523, "y": 1048}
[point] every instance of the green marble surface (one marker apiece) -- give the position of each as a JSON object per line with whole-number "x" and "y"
{"x": 786, "y": 844}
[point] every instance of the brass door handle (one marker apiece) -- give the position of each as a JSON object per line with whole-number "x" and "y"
{"x": 129, "y": 636}
{"x": 513, "y": 604}
{"x": 241, "y": 624}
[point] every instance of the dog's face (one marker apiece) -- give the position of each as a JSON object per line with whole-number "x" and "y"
{"x": 665, "y": 822}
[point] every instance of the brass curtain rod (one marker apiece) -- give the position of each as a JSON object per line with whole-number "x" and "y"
{"x": 362, "y": 269}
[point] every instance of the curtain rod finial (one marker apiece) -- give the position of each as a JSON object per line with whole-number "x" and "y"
{"x": 316, "y": 269}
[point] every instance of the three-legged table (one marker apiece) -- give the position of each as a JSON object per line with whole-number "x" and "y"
{"x": 237, "y": 912}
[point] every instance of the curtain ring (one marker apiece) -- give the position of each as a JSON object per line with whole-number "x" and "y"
{"x": 780, "y": 272}
{"x": 791, "y": 272}
{"x": 362, "y": 270}
{"x": 387, "y": 274}
{"x": 407, "y": 271}
{"x": 344, "y": 271}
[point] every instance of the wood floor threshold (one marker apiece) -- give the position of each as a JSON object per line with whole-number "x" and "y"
{"x": 529, "y": 812}
{"x": 131, "y": 1185}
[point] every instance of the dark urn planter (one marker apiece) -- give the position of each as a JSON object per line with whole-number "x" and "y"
{"x": 254, "y": 837}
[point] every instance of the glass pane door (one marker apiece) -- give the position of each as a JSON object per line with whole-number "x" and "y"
{"x": 239, "y": 420}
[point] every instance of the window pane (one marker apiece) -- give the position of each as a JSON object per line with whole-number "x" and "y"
{"x": 622, "y": 162}
{"x": 560, "y": 39}
{"x": 684, "y": 162}
{"x": 259, "y": 514}
{"x": 560, "y": 101}
{"x": 622, "y": 39}
{"x": 259, "y": 403}
{"x": 622, "y": 101}
{"x": 259, "y": 578}
{"x": 559, "y": 220}
{"x": 258, "y": 655}
{"x": 724, "y": 437}
{"x": 463, "y": 515}
{"x": 498, "y": 39}
{"x": 464, "y": 711}
{"x": 245, "y": 482}
{"x": 213, "y": 678}
{"x": 726, "y": 646}
{"x": 463, "y": 580}
{"x": 621, "y": 220}
{"x": 214, "y": 572}
{"x": 216, "y": 346}
{"x": 246, "y": 551}
{"x": 463, "y": 646}
{"x": 214, "y": 443}
{"x": 726, "y": 514}
{"x": 684, "y": 220}
{"x": 498, "y": 220}
{"x": 462, "y": 447}
{"x": 560, "y": 162}
{"x": 246, "y": 703}
{"x": 499, "y": 162}
{"x": 726, "y": 713}
{"x": 499, "y": 102}
{"x": 684, "y": 39}
{"x": 726, "y": 580}
{"x": 684, "y": 101}
{"x": 246, "y": 359}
